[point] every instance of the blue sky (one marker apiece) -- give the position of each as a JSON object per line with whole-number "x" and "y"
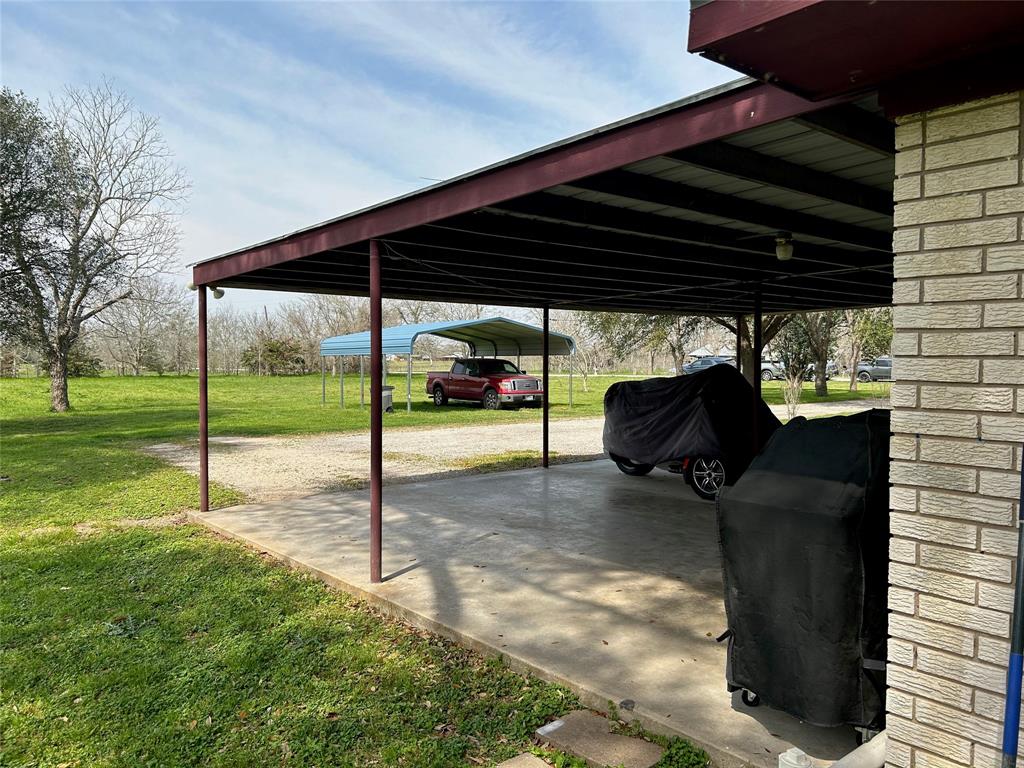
{"x": 284, "y": 114}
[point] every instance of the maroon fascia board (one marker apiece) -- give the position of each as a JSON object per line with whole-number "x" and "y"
{"x": 734, "y": 111}
{"x": 826, "y": 48}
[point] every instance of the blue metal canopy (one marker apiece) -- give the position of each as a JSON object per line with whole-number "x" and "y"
{"x": 490, "y": 336}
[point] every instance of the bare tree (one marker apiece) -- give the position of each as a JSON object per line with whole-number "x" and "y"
{"x": 107, "y": 192}
{"x": 133, "y": 328}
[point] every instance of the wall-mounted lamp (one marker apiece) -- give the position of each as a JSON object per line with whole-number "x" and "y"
{"x": 784, "y": 246}
{"x": 218, "y": 293}
{"x": 191, "y": 286}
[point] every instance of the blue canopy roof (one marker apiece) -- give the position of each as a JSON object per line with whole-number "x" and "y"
{"x": 490, "y": 336}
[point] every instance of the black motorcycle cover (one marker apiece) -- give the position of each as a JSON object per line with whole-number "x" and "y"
{"x": 804, "y": 535}
{"x": 666, "y": 419}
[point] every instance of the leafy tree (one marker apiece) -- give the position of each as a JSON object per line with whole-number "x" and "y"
{"x": 795, "y": 351}
{"x": 771, "y": 325}
{"x": 88, "y": 197}
{"x": 83, "y": 360}
{"x": 274, "y": 356}
{"x": 870, "y": 335}
{"x": 626, "y": 333}
{"x": 820, "y": 330}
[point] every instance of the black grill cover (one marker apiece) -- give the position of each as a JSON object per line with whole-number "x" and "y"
{"x": 804, "y": 535}
{"x": 705, "y": 414}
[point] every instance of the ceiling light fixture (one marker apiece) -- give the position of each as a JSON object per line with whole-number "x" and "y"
{"x": 784, "y": 246}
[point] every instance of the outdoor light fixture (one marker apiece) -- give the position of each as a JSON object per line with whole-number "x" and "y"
{"x": 191, "y": 286}
{"x": 218, "y": 293}
{"x": 784, "y": 246}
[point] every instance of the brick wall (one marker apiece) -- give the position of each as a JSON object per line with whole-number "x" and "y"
{"x": 958, "y": 422}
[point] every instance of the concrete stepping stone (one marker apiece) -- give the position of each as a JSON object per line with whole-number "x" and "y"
{"x": 525, "y": 760}
{"x": 588, "y": 735}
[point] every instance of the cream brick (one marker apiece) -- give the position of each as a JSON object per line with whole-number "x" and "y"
{"x": 902, "y": 550}
{"x": 921, "y": 632}
{"x": 897, "y": 755}
{"x": 999, "y": 541}
{"x": 989, "y": 705}
{"x": 906, "y": 239}
{"x": 967, "y": 106}
{"x": 947, "y": 369}
{"x": 975, "y": 564}
{"x": 907, "y": 343}
{"x": 971, "y": 288}
{"x": 903, "y": 396}
{"x": 909, "y": 134}
{"x": 953, "y": 693}
{"x": 1003, "y": 371}
{"x": 996, "y": 597}
{"x": 924, "y": 759}
{"x": 962, "y": 206}
{"x": 1004, "y": 313}
{"x": 909, "y": 161}
{"x": 966, "y": 343}
{"x": 903, "y": 499}
{"x": 968, "y": 398}
{"x": 961, "y": 669}
{"x": 986, "y": 757}
{"x": 943, "y": 263}
{"x": 954, "y": 747}
{"x": 1003, "y": 484}
{"x": 945, "y": 424}
{"x": 902, "y": 600}
{"x": 994, "y": 118}
{"x": 993, "y": 650}
{"x": 901, "y": 652}
{"x": 933, "y": 582}
{"x": 906, "y": 292}
{"x": 961, "y": 615}
{"x": 954, "y": 721}
{"x": 933, "y": 475}
{"x": 1004, "y": 201}
{"x": 906, "y": 188}
{"x": 903, "y": 447}
{"x": 970, "y": 150}
{"x": 931, "y": 529}
{"x": 986, "y": 176}
{"x": 1002, "y": 428}
{"x": 937, "y": 316}
{"x": 984, "y": 232}
{"x": 968, "y": 507}
{"x": 901, "y": 704}
{"x": 966, "y": 452}
{"x": 1005, "y": 257}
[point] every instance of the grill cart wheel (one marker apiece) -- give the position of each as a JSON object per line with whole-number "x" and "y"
{"x": 749, "y": 698}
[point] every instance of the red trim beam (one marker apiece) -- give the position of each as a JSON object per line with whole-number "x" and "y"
{"x": 692, "y": 124}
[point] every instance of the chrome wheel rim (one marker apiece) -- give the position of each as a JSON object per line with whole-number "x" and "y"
{"x": 492, "y": 400}
{"x": 708, "y": 475}
{"x": 438, "y": 396}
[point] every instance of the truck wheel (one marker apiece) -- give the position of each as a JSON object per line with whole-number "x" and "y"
{"x": 706, "y": 476}
{"x": 864, "y": 376}
{"x": 766, "y": 375}
{"x": 491, "y": 400}
{"x": 440, "y": 398}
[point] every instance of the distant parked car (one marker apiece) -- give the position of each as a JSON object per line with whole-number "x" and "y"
{"x": 493, "y": 382}
{"x": 879, "y": 368}
{"x": 831, "y": 369}
{"x": 771, "y": 369}
{"x": 707, "y": 362}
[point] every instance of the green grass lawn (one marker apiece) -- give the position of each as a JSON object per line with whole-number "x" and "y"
{"x": 128, "y": 645}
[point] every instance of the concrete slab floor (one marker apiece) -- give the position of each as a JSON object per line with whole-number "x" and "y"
{"x": 607, "y": 583}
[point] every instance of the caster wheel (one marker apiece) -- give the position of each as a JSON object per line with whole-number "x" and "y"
{"x": 750, "y": 698}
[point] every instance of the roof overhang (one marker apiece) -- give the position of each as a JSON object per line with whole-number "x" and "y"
{"x": 484, "y": 336}
{"x": 674, "y": 210}
{"x": 821, "y": 49}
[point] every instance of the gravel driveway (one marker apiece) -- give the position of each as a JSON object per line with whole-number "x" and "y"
{"x": 266, "y": 468}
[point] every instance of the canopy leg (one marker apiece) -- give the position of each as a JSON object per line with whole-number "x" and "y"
{"x": 572, "y": 354}
{"x": 408, "y": 385}
{"x": 341, "y": 382}
{"x": 547, "y": 392}
{"x": 376, "y": 416}
{"x": 362, "y": 384}
{"x": 323, "y": 383}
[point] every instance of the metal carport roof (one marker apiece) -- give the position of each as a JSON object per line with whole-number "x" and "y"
{"x": 489, "y": 336}
{"x": 674, "y": 210}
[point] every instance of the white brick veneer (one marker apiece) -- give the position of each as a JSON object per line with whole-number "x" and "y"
{"x": 958, "y": 420}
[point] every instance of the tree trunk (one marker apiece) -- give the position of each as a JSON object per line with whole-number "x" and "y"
{"x": 854, "y": 362}
{"x": 59, "y": 382}
{"x": 820, "y": 374}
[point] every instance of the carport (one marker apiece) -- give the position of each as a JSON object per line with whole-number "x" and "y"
{"x": 486, "y": 336}
{"x": 740, "y": 200}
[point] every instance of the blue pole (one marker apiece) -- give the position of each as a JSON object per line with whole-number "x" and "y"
{"x": 1015, "y": 668}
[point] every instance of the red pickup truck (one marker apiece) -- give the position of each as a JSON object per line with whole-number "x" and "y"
{"x": 487, "y": 380}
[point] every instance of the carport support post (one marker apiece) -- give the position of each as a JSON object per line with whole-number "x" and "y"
{"x": 547, "y": 390}
{"x": 408, "y": 385}
{"x": 739, "y": 343}
{"x": 204, "y": 447}
{"x": 572, "y": 354}
{"x": 362, "y": 385}
{"x": 376, "y": 416}
{"x": 323, "y": 382}
{"x": 756, "y": 368}
{"x": 341, "y": 382}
